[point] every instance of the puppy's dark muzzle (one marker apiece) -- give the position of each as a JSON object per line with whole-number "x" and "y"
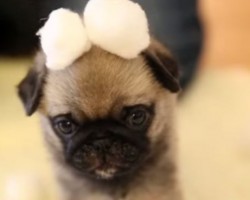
{"x": 98, "y": 152}
{"x": 106, "y": 147}
{"x": 105, "y": 153}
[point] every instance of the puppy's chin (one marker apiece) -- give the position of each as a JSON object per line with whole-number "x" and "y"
{"x": 107, "y": 158}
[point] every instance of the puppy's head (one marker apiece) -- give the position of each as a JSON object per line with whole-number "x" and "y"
{"x": 104, "y": 116}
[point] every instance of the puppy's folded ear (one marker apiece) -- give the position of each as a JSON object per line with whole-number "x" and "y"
{"x": 163, "y": 65}
{"x": 30, "y": 88}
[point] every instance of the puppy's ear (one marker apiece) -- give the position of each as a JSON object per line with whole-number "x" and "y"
{"x": 30, "y": 88}
{"x": 163, "y": 65}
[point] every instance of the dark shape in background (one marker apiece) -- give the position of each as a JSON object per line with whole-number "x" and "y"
{"x": 173, "y": 22}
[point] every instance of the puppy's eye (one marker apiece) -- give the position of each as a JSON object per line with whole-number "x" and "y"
{"x": 65, "y": 126}
{"x": 137, "y": 117}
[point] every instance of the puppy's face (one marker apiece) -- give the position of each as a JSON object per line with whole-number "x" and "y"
{"x": 102, "y": 115}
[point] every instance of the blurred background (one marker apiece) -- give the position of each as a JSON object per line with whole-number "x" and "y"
{"x": 211, "y": 41}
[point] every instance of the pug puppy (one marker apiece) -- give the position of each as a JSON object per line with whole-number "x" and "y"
{"x": 108, "y": 123}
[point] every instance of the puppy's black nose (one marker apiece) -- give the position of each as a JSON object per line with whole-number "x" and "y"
{"x": 102, "y": 145}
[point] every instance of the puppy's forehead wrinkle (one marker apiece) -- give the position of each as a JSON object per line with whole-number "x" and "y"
{"x": 98, "y": 81}
{"x": 111, "y": 78}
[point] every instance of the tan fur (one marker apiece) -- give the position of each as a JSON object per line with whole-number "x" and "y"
{"x": 98, "y": 85}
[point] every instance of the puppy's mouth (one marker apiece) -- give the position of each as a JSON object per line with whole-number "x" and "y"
{"x": 107, "y": 157}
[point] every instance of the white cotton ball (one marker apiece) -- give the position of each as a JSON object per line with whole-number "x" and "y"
{"x": 117, "y": 26}
{"x": 63, "y": 38}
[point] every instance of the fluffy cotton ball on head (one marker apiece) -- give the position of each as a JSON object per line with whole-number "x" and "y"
{"x": 63, "y": 38}
{"x": 117, "y": 26}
